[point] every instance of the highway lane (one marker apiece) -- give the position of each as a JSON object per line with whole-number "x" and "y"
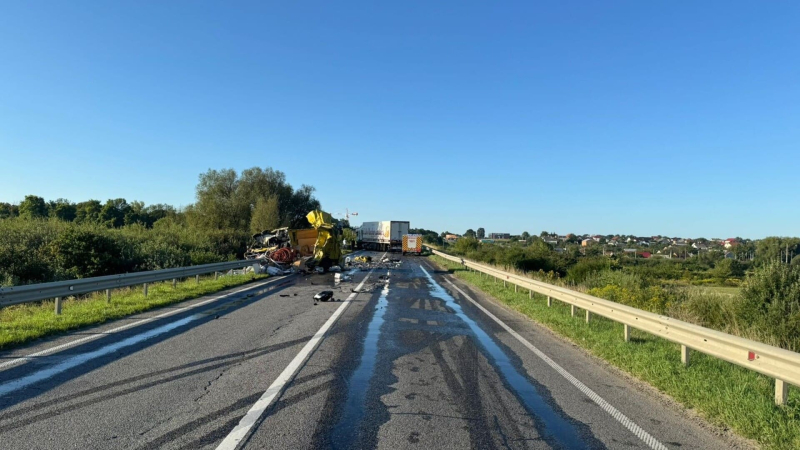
{"x": 411, "y": 362}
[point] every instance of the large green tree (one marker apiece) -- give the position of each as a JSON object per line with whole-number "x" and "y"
{"x": 226, "y": 199}
{"x": 88, "y": 211}
{"x": 481, "y": 233}
{"x": 266, "y": 215}
{"x": 63, "y": 209}
{"x": 7, "y": 210}
{"x": 33, "y": 207}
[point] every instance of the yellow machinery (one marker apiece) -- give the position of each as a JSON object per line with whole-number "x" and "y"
{"x": 322, "y": 245}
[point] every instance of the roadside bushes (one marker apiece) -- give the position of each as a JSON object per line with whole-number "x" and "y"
{"x": 584, "y": 268}
{"x": 771, "y": 302}
{"x": 36, "y": 251}
{"x": 630, "y": 289}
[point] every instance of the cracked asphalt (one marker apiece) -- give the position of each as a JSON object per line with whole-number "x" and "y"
{"x": 411, "y": 363}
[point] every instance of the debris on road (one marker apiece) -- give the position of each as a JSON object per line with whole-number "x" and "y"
{"x": 323, "y": 296}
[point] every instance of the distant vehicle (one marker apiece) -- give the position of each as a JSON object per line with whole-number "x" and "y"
{"x": 323, "y": 296}
{"x": 412, "y": 243}
{"x": 386, "y": 235}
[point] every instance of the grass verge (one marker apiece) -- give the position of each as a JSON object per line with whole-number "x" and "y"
{"x": 28, "y": 321}
{"x": 726, "y": 395}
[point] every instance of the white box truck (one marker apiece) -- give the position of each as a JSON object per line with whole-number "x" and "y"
{"x": 386, "y": 235}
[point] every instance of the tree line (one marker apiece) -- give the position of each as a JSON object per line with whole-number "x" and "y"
{"x": 49, "y": 240}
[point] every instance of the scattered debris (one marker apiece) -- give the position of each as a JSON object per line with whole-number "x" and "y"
{"x": 323, "y": 296}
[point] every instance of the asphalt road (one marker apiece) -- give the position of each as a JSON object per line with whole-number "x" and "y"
{"x": 414, "y": 359}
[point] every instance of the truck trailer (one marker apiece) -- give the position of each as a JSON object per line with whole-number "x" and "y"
{"x": 386, "y": 235}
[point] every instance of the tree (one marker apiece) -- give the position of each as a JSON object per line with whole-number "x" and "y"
{"x": 526, "y": 235}
{"x": 114, "y": 212}
{"x": 7, "y": 210}
{"x": 481, "y": 233}
{"x": 33, "y": 207}
{"x": 266, "y": 215}
{"x": 728, "y": 268}
{"x": 470, "y": 233}
{"x": 63, "y": 209}
{"x": 227, "y": 200}
{"x": 88, "y": 211}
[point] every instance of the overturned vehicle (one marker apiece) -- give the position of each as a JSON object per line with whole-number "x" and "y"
{"x": 301, "y": 249}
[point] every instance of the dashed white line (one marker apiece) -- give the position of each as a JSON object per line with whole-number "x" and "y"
{"x": 646, "y": 437}
{"x": 241, "y": 431}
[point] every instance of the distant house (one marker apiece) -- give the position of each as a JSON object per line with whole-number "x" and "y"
{"x": 451, "y": 238}
{"x": 499, "y": 235}
{"x": 646, "y": 254}
{"x": 597, "y": 238}
{"x": 730, "y": 242}
{"x": 551, "y": 241}
{"x": 586, "y": 242}
{"x": 700, "y": 246}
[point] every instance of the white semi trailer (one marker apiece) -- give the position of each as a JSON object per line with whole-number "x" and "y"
{"x": 386, "y": 235}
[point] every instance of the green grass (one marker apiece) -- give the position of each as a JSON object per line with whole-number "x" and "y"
{"x": 725, "y": 394}
{"x": 728, "y": 290}
{"x": 22, "y": 323}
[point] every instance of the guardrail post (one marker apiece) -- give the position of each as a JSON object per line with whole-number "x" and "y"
{"x": 588, "y": 316}
{"x": 549, "y": 301}
{"x": 216, "y": 275}
{"x": 515, "y": 288}
{"x": 504, "y": 283}
{"x": 108, "y": 295}
{"x": 174, "y": 282}
{"x": 197, "y": 279}
{"x": 781, "y": 392}
{"x": 58, "y": 305}
{"x": 530, "y": 293}
{"x": 145, "y": 289}
{"x": 684, "y": 355}
{"x": 572, "y": 310}
{"x": 626, "y": 332}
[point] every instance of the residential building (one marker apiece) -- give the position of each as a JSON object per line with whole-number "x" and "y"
{"x": 499, "y": 235}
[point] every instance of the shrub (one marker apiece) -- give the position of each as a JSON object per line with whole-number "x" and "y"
{"x": 584, "y": 268}
{"x": 771, "y": 301}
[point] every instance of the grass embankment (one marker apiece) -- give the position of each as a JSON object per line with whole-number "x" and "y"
{"x": 25, "y": 322}
{"x": 725, "y": 394}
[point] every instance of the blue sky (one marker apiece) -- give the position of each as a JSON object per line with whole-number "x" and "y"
{"x": 602, "y": 117}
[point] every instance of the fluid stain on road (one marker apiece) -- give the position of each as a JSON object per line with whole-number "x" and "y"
{"x": 554, "y": 425}
{"x": 345, "y": 432}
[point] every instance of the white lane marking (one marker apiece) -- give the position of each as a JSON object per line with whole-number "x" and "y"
{"x": 100, "y": 334}
{"x": 604, "y": 405}
{"x": 77, "y": 360}
{"x": 241, "y": 431}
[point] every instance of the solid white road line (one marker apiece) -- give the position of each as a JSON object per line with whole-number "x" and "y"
{"x": 82, "y": 340}
{"x": 604, "y": 405}
{"x": 241, "y": 431}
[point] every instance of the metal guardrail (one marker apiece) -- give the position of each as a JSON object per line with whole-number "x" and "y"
{"x": 778, "y": 363}
{"x": 13, "y": 295}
